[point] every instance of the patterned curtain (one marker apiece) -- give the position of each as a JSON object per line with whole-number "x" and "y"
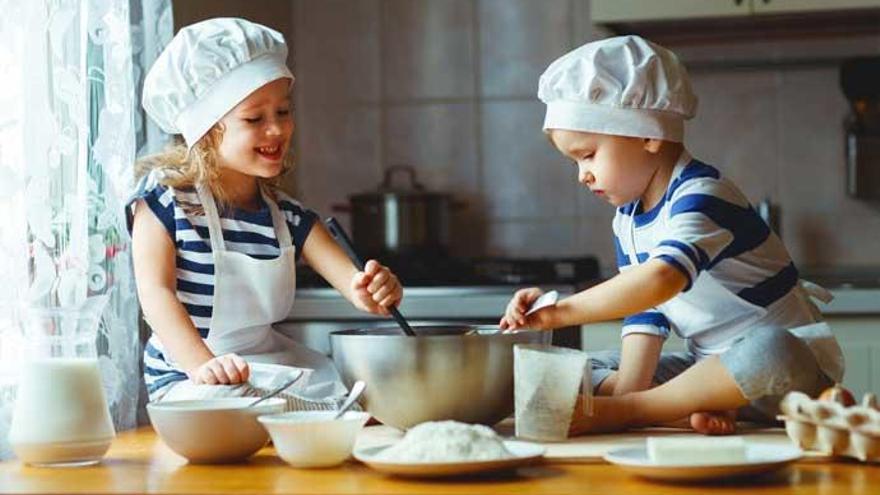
{"x": 70, "y": 128}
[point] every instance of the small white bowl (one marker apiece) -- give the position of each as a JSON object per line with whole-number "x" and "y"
{"x": 213, "y": 430}
{"x": 313, "y": 439}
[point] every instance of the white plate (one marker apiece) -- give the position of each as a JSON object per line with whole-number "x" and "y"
{"x": 524, "y": 453}
{"x": 760, "y": 458}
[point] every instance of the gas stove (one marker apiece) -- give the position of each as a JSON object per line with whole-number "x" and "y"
{"x": 438, "y": 289}
{"x": 434, "y": 271}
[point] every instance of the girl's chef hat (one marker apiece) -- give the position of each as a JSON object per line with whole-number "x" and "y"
{"x": 207, "y": 69}
{"x": 625, "y": 86}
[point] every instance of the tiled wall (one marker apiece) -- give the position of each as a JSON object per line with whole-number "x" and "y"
{"x": 446, "y": 86}
{"x": 449, "y": 87}
{"x": 778, "y": 132}
{"x": 273, "y": 13}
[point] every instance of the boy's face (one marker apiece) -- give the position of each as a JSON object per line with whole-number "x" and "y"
{"x": 256, "y": 132}
{"x": 615, "y": 168}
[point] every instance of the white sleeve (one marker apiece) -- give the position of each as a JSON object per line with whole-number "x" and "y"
{"x": 651, "y": 322}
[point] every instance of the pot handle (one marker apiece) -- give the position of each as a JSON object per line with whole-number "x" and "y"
{"x": 388, "y": 179}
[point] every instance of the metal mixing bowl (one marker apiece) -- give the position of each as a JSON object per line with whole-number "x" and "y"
{"x": 458, "y": 372}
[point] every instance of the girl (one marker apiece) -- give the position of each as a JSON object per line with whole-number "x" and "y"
{"x": 214, "y": 240}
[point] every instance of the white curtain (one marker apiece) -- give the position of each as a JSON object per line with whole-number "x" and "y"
{"x": 70, "y": 128}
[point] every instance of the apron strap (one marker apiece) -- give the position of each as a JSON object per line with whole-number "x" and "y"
{"x": 633, "y": 252}
{"x": 282, "y": 231}
{"x": 816, "y": 291}
{"x": 215, "y": 231}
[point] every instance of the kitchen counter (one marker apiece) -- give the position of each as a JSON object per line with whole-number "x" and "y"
{"x": 853, "y": 301}
{"x": 138, "y": 462}
{"x": 470, "y": 302}
{"x": 478, "y": 302}
{"x": 320, "y": 311}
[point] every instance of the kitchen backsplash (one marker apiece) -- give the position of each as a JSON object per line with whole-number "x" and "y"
{"x": 449, "y": 87}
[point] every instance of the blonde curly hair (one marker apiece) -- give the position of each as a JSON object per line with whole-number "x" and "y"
{"x": 184, "y": 168}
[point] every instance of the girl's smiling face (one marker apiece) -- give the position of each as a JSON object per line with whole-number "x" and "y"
{"x": 257, "y": 131}
{"x": 618, "y": 169}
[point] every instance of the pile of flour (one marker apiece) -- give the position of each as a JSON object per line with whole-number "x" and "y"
{"x": 446, "y": 441}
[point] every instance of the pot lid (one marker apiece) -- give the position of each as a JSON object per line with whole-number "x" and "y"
{"x": 411, "y": 187}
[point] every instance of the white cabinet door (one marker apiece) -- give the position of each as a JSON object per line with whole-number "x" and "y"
{"x": 795, "y": 6}
{"x": 858, "y": 377}
{"x": 611, "y": 11}
{"x": 859, "y": 338}
{"x": 622, "y": 11}
{"x": 606, "y": 336}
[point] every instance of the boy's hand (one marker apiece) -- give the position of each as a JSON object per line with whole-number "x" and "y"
{"x": 515, "y": 314}
{"x": 228, "y": 369}
{"x": 376, "y": 289}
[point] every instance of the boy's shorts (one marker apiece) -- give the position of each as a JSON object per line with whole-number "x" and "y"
{"x": 765, "y": 367}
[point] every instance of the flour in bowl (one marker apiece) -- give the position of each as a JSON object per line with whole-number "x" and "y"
{"x": 446, "y": 441}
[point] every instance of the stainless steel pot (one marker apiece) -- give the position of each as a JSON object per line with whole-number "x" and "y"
{"x": 401, "y": 218}
{"x": 446, "y": 372}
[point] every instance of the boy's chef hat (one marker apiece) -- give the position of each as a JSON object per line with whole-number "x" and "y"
{"x": 625, "y": 86}
{"x": 207, "y": 69}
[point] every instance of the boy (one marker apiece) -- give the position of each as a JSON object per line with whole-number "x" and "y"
{"x": 694, "y": 257}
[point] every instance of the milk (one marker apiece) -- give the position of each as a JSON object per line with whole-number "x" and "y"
{"x": 61, "y": 414}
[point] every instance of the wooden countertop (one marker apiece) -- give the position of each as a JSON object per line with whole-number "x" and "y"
{"x": 138, "y": 462}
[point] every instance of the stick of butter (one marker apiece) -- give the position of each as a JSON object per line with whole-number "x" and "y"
{"x": 696, "y": 450}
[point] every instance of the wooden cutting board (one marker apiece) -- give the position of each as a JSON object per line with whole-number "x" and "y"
{"x": 582, "y": 449}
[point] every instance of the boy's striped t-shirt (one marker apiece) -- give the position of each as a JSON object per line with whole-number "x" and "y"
{"x": 738, "y": 271}
{"x": 248, "y": 232}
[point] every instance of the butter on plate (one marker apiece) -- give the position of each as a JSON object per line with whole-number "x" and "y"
{"x": 681, "y": 450}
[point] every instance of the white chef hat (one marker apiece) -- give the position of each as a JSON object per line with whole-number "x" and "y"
{"x": 207, "y": 69}
{"x": 624, "y": 85}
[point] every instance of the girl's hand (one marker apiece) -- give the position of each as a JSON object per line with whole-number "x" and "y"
{"x": 228, "y": 369}
{"x": 376, "y": 289}
{"x": 515, "y": 314}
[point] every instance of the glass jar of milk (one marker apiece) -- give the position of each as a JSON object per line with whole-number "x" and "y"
{"x": 61, "y": 416}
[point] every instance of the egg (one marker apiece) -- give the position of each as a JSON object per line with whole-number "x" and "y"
{"x": 838, "y": 394}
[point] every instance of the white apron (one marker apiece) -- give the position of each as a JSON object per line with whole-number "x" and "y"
{"x": 250, "y": 295}
{"x": 817, "y": 335}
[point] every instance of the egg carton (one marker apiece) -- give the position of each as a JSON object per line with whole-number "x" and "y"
{"x": 830, "y": 427}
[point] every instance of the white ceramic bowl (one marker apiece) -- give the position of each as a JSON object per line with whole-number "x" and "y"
{"x": 312, "y": 439}
{"x": 213, "y": 430}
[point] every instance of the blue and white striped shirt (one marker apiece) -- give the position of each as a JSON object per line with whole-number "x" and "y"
{"x": 249, "y": 232}
{"x": 740, "y": 276}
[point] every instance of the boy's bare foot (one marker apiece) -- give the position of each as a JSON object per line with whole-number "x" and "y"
{"x": 714, "y": 423}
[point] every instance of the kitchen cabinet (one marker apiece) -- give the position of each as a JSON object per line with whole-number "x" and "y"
{"x": 800, "y": 6}
{"x": 614, "y": 11}
{"x": 627, "y": 11}
{"x": 606, "y": 336}
{"x": 858, "y": 335}
{"x": 859, "y": 338}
